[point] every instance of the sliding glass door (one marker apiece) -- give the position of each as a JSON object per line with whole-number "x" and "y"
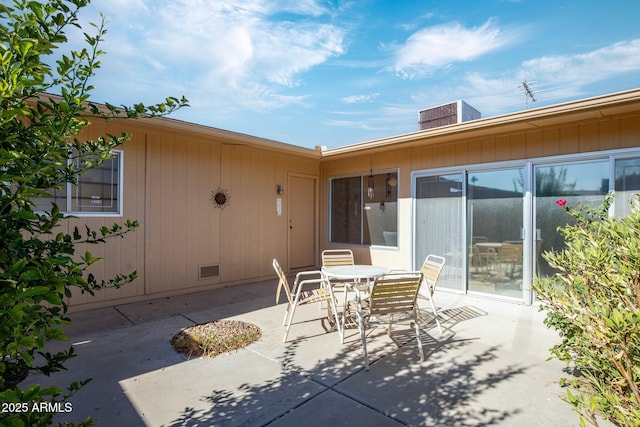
{"x": 493, "y": 223}
{"x": 479, "y": 235}
{"x": 439, "y": 225}
{"x": 495, "y": 208}
{"x": 583, "y": 183}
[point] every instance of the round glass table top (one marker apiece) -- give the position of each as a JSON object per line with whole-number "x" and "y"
{"x": 358, "y": 271}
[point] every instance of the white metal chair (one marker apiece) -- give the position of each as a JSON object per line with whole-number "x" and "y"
{"x": 335, "y": 257}
{"x": 431, "y": 269}
{"x": 392, "y": 294}
{"x": 314, "y": 289}
{"x": 332, "y": 257}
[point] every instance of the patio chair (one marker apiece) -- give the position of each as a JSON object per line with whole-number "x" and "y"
{"x": 431, "y": 269}
{"x": 308, "y": 287}
{"x": 483, "y": 260}
{"x": 392, "y": 294}
{"x": 510, "y": 258}
{"x": 331, "y": 257}
{"x": 334, "y": 257}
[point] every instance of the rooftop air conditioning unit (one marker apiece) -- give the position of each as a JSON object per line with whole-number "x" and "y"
{"x": 447, "y": 114}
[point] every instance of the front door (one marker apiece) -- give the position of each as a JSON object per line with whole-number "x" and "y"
{"x": 302, "y": 222}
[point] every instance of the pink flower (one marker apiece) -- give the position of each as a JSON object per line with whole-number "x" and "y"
{"x": 561, "y": 202}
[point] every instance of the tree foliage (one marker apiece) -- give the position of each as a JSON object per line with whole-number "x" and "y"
{"x": 594, "y": 303}
{"x": 39, "y": 266}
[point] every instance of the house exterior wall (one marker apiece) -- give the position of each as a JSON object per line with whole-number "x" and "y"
{"x": 361, "y": 165}
{"x": 171, "y": 169}
{"x": 169, "y": 177}
{"x": 562, "y": 136}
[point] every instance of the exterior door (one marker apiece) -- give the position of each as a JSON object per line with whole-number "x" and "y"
{"x": 302, "y": 222}
{"x": 439, "y": 225}
{"x": 495, "y": 230}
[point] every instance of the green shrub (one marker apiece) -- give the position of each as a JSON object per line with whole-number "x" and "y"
{"x": 39, "y": 266}
{"x": 594, "y": 302}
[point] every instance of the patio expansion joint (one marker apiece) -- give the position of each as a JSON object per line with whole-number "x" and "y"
{"x": 115, "y": 307}
{"x": 343, "y": 394}
{"x": 362, "y": 402}
{"x": 188, "y": 319}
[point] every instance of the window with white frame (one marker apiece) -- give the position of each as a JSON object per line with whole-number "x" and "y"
{"x": 98, "y": 191}
{"x": 627, "y": 184}
{"x": 364, "y": 209}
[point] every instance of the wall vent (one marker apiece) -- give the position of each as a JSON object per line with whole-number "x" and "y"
{"x": 209, "y": 271}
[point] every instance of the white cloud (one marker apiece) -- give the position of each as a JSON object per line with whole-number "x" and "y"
{"x": 245, "y": 50}
{"x": 357, "y": 99}
{"x": 554, "y": 79}
{"x": 586, "y": 68}
{"x": 439, "y": 46}
{"x": 301, "y": 7}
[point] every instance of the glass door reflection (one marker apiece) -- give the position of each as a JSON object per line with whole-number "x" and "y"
{"x": 495, "y": 207}
{"x": 439, "y": 225}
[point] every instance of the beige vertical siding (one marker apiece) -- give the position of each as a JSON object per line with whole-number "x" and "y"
{"x": 121, "y": 255}
{"x": 171, "y": 170}
{"x": 169, "y": 178}
{"x": 604, "y": 133}
{"x": 181, "y": 222}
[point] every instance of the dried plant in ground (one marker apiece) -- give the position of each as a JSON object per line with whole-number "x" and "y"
{"x": 213, "y": 338}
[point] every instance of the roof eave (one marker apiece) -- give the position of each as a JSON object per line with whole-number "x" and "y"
{"x": 521, "y": 121}
{"x": 231, "y": 137}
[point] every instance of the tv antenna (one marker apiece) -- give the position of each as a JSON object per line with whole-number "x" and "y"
{"x": 527, "y": 87}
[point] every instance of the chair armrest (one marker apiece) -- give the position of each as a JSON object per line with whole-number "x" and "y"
{"x": 309, "y": 273}
{"x": 321, "y": 280}
{"x": 301, "y": 277}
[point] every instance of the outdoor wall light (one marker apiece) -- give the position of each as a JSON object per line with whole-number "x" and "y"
{"x": 370, "y": 185}
{"x": 279, "y": 190}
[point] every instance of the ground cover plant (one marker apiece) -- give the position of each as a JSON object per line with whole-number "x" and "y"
{"x": 594, "y": 303}
{"x": 213, "y": 338}
{"x": 40, "y": 152}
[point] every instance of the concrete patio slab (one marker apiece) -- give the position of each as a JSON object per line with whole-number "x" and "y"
{"x": 488, "y": 367}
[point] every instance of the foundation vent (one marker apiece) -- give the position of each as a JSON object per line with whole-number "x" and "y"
{"x": 209, "y": 271}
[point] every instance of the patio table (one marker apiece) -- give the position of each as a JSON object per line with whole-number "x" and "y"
{"x": 357, "y": 273}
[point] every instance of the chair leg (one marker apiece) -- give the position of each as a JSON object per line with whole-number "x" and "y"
{"x": 415, "y": 317}
{"x": 286, "y": 314}
{"x": 435, "y": 313}
{"x": 286, "y": 331}
{"x": 293, "y": 310}
{"x": 344, "y": 314}
{"x": 363, "y": 336}
{"x": 334, "y": 309}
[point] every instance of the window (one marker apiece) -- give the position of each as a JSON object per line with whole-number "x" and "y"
{"x": 97, "y": 192}
{"x": 583, "y": 182}
{"x": 627, "y": 184}
{"x": 364, "y": 209}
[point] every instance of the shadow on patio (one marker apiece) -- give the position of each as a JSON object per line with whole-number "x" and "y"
{"x": 487, "y": 368}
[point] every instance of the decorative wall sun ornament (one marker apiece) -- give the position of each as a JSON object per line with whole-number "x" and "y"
{"x": 220, "y": 198}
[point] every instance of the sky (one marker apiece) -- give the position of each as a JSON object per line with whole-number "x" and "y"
{"x": 334, "y": 73}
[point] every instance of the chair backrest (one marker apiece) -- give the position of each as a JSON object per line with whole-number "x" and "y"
{"x": 332, "y": 257}
{"x": 510, "y": 252}
{"x": 431, "y": 269}
{"x": 394, "y": 293}
{"x": 283, "y": 283}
